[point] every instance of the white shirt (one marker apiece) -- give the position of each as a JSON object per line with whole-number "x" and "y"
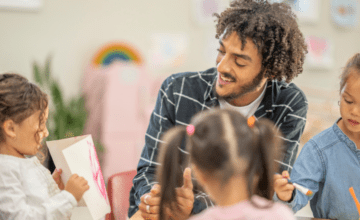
{"x": 247, "y": 110}
{"x": 28, "y": 191}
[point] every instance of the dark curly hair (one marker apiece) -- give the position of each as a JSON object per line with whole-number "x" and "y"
{"x": 273, "y": 29}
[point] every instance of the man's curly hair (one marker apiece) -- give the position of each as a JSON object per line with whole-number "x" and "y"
{"x": 273, "y": 29}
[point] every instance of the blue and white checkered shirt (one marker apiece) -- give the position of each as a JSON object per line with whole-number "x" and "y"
{"x": 182, "y": 95}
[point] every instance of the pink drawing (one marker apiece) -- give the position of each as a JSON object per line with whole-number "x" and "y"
{"x": 96, "y": 171}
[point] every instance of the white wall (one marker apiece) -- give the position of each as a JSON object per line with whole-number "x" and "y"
{"x": 72, "y": 31}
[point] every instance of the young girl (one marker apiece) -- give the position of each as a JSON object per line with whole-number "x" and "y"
{"x": 329, "y": 164}
{"x": 232, "y": 159}
{"x": 27, "y": 189}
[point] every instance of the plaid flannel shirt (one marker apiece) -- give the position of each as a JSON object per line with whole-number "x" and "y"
{"x": 182, "y": 95}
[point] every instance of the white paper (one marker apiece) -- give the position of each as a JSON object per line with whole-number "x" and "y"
{"x": 78, "y": 155}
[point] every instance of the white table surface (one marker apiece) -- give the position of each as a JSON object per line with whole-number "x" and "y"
{"x": 82, "y": 213}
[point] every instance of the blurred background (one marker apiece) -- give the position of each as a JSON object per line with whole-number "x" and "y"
{"x": 107, "y": 59}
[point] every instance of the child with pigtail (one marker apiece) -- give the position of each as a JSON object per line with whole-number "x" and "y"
{"x": 232, "y": 159}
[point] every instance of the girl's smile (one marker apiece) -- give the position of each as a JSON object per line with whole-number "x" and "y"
{"x": 353, "y": 122}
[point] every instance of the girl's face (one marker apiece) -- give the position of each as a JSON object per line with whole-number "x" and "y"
{"x": 26, "y": 141}
{"x": 350, "y": 105}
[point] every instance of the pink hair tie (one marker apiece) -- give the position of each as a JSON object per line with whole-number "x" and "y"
{"x": 190, "y": 129}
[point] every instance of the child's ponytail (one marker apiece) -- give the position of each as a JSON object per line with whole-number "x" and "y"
{"x": 262, "y": 168}
{"x": 268, "y": 145}
{"x": 169, "y": 173}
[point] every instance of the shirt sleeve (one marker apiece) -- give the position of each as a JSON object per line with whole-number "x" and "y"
{"x": 292, "y": 127}
{"x": 14, "y": 203}
{"x": 308, "y": 171}
{"x": 162, "y": 118}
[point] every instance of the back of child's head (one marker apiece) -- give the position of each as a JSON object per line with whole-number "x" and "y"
{"x": 352, "y": 66}
{"x": 222, "y": 145}
{"x": 19, "y": 99}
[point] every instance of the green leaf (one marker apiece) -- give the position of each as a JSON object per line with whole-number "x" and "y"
{"x": 68, "y": 118}
{"x": 56, "y": 95}
{"x": 47, "y": 73}
{"x": 37, "y": 74}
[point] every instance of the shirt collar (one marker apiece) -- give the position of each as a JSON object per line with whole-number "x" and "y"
{"x": 269, "y": 99}
{"x": 342, "y": 136}
{"x": 210, "y": 93}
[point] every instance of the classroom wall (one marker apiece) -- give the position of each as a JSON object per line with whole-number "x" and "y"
{"x": 72, "y": 31}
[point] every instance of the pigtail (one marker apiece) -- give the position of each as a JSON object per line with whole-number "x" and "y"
{"x": 266, "y": 150}
{"x": 170, "y": 173}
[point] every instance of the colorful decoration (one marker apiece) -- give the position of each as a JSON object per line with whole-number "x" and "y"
{"x": 320, "y": 53}
{"x": 345, "y": 12}
{"x": 168, "y": 50}
{"x": 116, "y": 52}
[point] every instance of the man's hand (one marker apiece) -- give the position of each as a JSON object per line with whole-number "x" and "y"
{"x": 282, "y": 188}
{"x": 150, "y": 202}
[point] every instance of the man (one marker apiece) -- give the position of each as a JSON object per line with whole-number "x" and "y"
{"x": 260, "y": 47}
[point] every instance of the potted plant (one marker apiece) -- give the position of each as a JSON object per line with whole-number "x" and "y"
{"x": 66, "y": 118}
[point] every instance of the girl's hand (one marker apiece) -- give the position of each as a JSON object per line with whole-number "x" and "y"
{"x": 77, "y": 186}
{"x": 282, "y": 188}
{"x": 57, "y": 177}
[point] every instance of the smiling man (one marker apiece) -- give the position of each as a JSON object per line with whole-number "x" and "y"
{"x": 261, "y": 49}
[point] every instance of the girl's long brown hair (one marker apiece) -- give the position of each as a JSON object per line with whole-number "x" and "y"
{"x": 19, "y": 99}
{"x": 222, "y": 145}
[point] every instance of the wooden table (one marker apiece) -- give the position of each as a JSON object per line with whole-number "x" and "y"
{"x": 309, "y": 218}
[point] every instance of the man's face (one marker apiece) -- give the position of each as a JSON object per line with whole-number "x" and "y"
{"x": 239, "y": 71}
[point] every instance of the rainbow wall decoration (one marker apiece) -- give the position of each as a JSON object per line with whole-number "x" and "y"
{"x": 116, "y": 52}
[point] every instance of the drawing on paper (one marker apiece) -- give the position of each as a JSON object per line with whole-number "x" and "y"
{"x": 96, "y": 171}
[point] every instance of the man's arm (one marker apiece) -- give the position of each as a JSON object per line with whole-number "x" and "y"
{"x": 292, "y": 127}
{"x": 161, "y": 120}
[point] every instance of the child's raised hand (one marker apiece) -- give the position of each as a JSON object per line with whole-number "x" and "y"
{"x": 77, "y": 186}
{"x": 282, "y": 188}
{"x": 57, "y": 177}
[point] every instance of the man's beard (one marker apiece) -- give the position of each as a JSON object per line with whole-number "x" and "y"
{"x": 244, "y": 90}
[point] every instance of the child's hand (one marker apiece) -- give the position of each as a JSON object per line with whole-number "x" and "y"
{"x": 77, "y": 186}
{"x": 57, "y": 177}
{"x": 282, "y": 188}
